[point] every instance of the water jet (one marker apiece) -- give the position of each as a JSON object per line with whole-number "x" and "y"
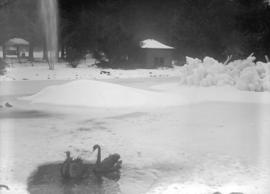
{"x": 49, "y": 17}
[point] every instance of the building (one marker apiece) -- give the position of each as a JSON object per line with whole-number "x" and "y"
{"x": 16, "y": 47}
{"x": 156, "y": 54}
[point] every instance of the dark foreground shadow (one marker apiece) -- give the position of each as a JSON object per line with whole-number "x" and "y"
{"x": 46, "y": 179}
{"x": 24, "y": 114}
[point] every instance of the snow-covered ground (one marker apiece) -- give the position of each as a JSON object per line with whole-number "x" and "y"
{"x": 245, "y": 74}
{"x": 191, "y": 140}
{"x": 40, "y": 71}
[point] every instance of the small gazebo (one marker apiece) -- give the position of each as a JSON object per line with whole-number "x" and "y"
{"x": 17, "y": 45}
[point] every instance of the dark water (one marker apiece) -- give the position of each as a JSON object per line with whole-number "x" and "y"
{"x": 46, "y": 179}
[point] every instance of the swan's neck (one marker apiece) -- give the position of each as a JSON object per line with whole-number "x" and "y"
{"x": 98, "y": 156}
{"x": 68, "y": 158}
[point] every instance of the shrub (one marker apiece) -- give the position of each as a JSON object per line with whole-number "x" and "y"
{"x": 74, "y": 56}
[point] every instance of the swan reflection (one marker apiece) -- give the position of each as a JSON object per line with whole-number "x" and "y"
{"x": 74, "y": 176}
{"x": 47, "y": 179}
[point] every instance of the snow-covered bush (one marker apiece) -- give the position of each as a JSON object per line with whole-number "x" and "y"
{"x": 205, "y": 73}
{"x": 3, "y": 66}
{"x": 235, "y": 67}
{"x": 264, "y": 72}
{"x": 249, "y": 79}
{"x": 243, "y": 74}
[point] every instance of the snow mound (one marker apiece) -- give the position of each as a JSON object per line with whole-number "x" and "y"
{"x": 100, "y": 94}
{"x": 243, "y": 74}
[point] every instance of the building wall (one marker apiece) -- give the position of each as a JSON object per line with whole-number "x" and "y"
{"x": 158, "y": 57}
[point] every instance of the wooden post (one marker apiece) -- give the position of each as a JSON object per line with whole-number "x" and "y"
{"x": 31, "y": 52}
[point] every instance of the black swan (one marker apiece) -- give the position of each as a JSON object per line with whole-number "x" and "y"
{"x": 4, "y": 186}
{"x": 72, "y": 168}
{"x": 108, "y": 165}
{"x": 65, "y": 166}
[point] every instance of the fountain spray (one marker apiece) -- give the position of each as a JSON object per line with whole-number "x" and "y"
{"x": 49, "y": 16}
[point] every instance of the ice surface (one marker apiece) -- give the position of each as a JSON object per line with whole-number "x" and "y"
{"x": 214, "y": 140}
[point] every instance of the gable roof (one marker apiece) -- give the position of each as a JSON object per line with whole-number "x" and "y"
{"x": 151, "y": 43}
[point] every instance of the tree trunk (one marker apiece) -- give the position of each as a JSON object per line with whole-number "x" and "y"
{"x": 45, "y": 52}
{"x": 4, "y": 51}
{"x": 31, "y": 52}
{"x": 57, "y": 55}
{"x": 62, "y": 52}
{"x": 18, "y": 54}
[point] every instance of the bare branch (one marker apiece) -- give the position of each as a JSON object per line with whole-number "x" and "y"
{"x": 266, "y": 58}
{"x": 227, "y": 60}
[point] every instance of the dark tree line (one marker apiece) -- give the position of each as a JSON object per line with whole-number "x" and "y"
{"x": 196, "y": 28}
{"x": 114, "y": 28}
{"x": 21, "y": 19}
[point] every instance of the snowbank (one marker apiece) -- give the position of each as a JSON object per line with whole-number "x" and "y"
{"x": 101, "y": 94}
{"x": 243, "y": 74}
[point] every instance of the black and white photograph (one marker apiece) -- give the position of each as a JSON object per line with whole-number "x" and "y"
{"x": 134, "y": 97}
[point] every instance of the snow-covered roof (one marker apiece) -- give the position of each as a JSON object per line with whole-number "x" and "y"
{"x": 151, "y": 43}
{"x": 17, "y": 41}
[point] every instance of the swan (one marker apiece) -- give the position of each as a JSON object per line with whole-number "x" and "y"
{"x": 72, "y": 168}
{"x": 76, "y": 169}
{"x": 66, "y": 166}
{"x": 110, "y": 164}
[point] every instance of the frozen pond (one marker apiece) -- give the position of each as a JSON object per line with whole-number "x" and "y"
{"x": 214, "y": 146}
